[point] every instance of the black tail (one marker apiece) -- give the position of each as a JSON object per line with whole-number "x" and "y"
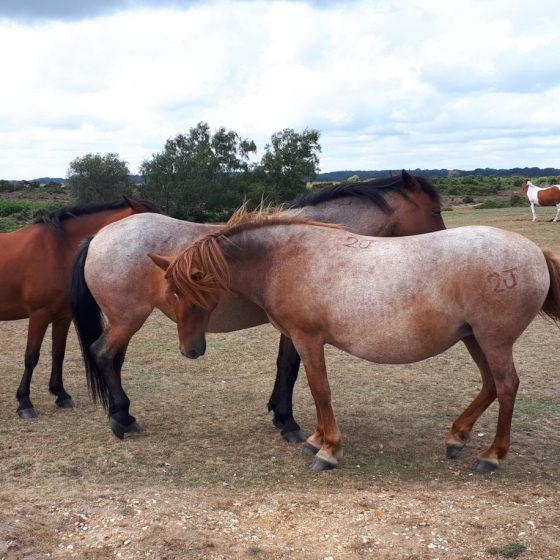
{"x": 88, "y": 322}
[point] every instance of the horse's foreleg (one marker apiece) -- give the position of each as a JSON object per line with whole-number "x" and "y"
{"x": 533, "y": 212}
{"x": 327, "y": 438}
{"x": 280, "y": 402}
{"x": 108, "y": 352}
{"x": 507, "y": 382}
{"x": 56, "y": 386}
{"x": 36, "y": 329}
{"x": 461, "y": 430}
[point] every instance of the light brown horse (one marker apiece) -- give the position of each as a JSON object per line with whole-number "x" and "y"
{"x": 542, "y": 196}
{"x": 35, "y": 264}
{"x": 396, "y": 300}
{"x": 115, "y": 270}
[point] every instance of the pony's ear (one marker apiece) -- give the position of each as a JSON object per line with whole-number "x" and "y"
{"x": 161, "y": 261}
{"x": 409, "y": 181}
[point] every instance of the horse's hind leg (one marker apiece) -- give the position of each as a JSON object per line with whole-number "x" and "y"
{"x": 461, "y": 430}
{"x": 36, "y": 329}
{"x": 557, "y": 213}
{"x": 56, "y": 386}
{"x": 280, "y": 402}
{"x": 109, "y": 352}
{"x": 500, "y": 361}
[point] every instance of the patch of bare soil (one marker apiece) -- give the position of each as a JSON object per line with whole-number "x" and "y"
{"x": 211, "y": 478}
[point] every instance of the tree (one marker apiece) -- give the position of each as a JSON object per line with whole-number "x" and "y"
{"x": 290, "y": 160}
{"x": 195, "y": 177}
{"x": 94, "y": 177}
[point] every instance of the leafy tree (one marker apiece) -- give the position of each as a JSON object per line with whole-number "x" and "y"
{"x": 290, "y": 160}
{"x": 196, "y": 176}
{"x": 94, "y": 177}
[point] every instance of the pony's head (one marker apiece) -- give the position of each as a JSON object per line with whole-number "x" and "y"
{"x": 195, "y": 281}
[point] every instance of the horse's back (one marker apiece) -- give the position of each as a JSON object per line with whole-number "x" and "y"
{"x": 404, "y": 299}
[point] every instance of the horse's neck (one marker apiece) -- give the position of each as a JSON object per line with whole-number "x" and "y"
{"x": 250, "y": 255}
{"x": 89, "y": 224}
{"x": 354, "y": 213}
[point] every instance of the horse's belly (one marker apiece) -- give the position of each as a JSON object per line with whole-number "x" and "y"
{"x": 404, "y": 340}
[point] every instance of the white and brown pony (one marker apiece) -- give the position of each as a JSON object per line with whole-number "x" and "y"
{"x": 542, "y": 196}
{"x": 121, "y": 282}
{"x": 397, "y": 300}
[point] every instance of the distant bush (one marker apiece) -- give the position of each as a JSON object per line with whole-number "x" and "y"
{"x": 515, "y": 200}
{"x": 15, "y": 213}
{"x": 468, "y": 199}
{"x": 18, "y": 209}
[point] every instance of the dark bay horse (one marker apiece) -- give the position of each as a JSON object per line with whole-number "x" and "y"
{"x": 398, "y": 300}
{"x": 35, "y": 263}
{"x": 115, "y": 269}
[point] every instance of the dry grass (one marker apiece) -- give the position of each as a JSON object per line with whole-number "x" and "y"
{"x": 212, "y": 479}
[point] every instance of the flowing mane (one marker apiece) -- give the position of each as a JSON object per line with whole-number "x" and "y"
{"x": 55, "y": 220}
{"x": 201, "y": 271}
{"x": 374, "y": 190}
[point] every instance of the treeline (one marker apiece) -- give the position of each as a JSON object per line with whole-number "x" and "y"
{"x": 524, "y": 172}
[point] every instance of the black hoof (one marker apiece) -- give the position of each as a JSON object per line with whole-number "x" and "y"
{"x": 66, "y": 403}
{"x": 320, "y": 465}
{"x": 120, "y": 429}
{"x": 27, "y": 413}
{"x": 309, "y": 450}
{"x": 482, "y": 466}
{"x": 453, "y": 451}
{"x": 294, "y": 437}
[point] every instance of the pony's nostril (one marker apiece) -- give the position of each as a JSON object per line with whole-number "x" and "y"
{"x": 192, "y": 354}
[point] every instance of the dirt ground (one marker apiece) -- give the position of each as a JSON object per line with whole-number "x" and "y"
{"x": 211, "y": 478}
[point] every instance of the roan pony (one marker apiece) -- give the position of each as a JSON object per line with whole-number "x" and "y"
{"x": 35, "y": 264}
{"x": 125, "y": 286}
{"x": 396, "y": 300}
{"x": 542, "y": 196}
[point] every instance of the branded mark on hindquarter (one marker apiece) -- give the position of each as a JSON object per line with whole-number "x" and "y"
{"x": 357, "y": 243}
{"x": 503, "y": 280}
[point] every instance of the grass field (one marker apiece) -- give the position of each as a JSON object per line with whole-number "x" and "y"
{"x": 211, "y": 478}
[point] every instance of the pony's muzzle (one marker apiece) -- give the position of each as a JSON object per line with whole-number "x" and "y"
{"x": 195, "y": 351}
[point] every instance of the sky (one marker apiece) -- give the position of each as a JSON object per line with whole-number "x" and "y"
{"x": 389, "y": 84}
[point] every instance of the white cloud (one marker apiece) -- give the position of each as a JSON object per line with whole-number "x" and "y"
{"x": 389, "y": 84}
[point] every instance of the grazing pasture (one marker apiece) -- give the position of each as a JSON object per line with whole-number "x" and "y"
{"x": 212, "y": 478}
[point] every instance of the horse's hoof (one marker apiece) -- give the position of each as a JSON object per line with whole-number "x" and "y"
{"x": 453, "y": 451}
{"x": 135, "y": 427}
{"x": 27, "y": 413}
{"x": 482, "y": 466}
{"x": 320, "y": 465}
{"x": 120, "y": 429}
{"x": 309, "y": 450}
{"x": 66, "y": 403}
{"x": 294, "y": 437}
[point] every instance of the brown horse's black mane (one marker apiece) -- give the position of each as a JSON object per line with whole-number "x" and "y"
{"x": 56, "y": 219}
{"x": 374, "y": 190}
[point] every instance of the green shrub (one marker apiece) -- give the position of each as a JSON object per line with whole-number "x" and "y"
{"x": 14, "y": 208}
